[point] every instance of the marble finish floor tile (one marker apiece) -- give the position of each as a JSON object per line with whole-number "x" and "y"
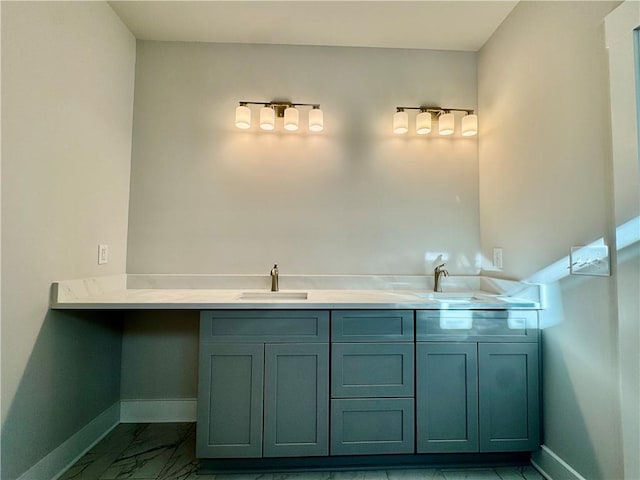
{"x": 90, "y": 467}
{"x": 412, "y": 474}
{"x": 182, "y": 463}
{"x": 530, "y": 473}
{"x": 148, "y": 453}
{"x": 471, "y": 474}
{"x": 166, "y": 451}
{"x": 360, "y": 475}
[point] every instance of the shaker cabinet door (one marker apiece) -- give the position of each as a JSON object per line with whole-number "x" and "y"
{"x": 296, "y": 416}
{"x": 230, "y": 400}
{"x": 447, "y": 397}
{"x": 509, "y": 401}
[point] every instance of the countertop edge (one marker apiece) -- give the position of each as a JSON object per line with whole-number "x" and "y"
{"x": 112, "y": 293}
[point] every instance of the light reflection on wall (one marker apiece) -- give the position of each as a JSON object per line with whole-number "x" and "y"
{"x": 549, "y": 277}
{"x": 457, "y": 264}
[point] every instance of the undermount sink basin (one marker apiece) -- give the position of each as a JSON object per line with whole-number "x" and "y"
{"x": 452, "y": 295}
{"x": 458, "y": 297}
{"x": 273, "y": 296}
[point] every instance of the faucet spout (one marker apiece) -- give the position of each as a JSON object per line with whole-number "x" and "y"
{"x": 438, "y": 273}
{"x": 274, "y": 279}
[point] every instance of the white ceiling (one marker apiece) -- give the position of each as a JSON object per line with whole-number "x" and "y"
{"x": 440, "y": 25}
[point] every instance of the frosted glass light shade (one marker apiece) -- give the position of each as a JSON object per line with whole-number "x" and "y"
{"x": 469, "y": 125}
{"x": 400, "y": 123}
{"x": 316, "y": 120}
{"x": 267, "y": 118}
{"x": 243, "y": 117}
{"x": 446, "y": 124}
{"x": 291, "y": 119}
{"x": 423, "y": 123}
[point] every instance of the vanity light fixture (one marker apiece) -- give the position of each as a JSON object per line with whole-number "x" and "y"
{"x": 423, "y": 122}
{"x": 267, "y": 118}
{"x": 444, "y": 117}
{"x": 316, "y": 119}
{"x": 400, "y": 122}
{"x": 243, "y": 116}
{"x": 446, "y": 124}
{"x": 469, "y": 125}
{"x": 271, "y": 111}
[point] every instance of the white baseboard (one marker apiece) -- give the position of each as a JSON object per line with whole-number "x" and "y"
{"x": 70, "y": 451}
{"x": 157, "y": 411}
{"x": 552, "y": 466}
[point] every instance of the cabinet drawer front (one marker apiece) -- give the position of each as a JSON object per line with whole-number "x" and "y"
{"x": 477, "y": 325}
{"x": 372, "y": 326}
{"x": 372, "y": 370}
{"x": 372, "y": 426}
{"x": 264, "y": 326}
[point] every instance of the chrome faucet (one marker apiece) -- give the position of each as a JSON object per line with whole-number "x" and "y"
{"x": 439, "y": 272}
{"x": 274, "y": 279}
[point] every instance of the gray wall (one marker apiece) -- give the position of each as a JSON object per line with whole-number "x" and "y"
{"x": 209, "y": 198}
{"x": 67, "y": 95}
{"x": 160, "y": 355}
{"x": 545, "y": 185}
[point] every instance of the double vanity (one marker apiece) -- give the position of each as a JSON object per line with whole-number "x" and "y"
{"x": 325, "y": 377}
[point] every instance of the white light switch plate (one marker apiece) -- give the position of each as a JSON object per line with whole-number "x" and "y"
{"x": 103, "y": 254}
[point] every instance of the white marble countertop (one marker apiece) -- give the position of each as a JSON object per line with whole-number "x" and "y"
{"x": 202, "y": 292}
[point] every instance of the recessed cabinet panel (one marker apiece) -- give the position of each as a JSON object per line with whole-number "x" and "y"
{"x": 509, "y": 402}
{"x": 447, "y": 397}
{"x": 230, "y": 401}
{"x": 372, "y": 426}
{"x": 372, "y": 370}
{"x": 476, "y": 325}
{"x": 292, "y": 326}
{"x": 296, "y": 421}
{"x": 372, "y": 326}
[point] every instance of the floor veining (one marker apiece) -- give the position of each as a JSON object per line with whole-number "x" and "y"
{"x": 166, "y": 451}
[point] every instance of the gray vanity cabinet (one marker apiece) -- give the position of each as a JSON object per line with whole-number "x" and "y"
{"x": 372, "y": 382}
{"x": 267, "y": 396}
{"x": 477, "y": 384}
{"x": 395, "y": 382}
